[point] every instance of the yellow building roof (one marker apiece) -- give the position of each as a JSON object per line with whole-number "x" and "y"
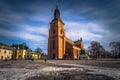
{"x": 3, "y": 46}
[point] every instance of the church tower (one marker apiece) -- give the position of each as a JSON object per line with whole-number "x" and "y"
{"x": 56, "y": 40}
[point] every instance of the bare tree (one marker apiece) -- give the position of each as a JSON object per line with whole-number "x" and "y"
{"x": 38, "y": 50}
{"x": 96, "y": 50}
{"x": 115, "y": 49}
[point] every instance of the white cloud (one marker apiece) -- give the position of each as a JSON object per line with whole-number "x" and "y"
{"x": 89, "y": 31}
{"x": 89, "y": 36}
{"x": 29, "y": 36}
{"x": 36, "y": 29}
{"x": 40, "y": 17}
{"x": 86, "y": 26}
{"x": 24, "y": 35}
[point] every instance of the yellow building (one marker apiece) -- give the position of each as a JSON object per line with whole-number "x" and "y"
{"x": 5, "y": 52}
{"x": 59, "y": 46}
{"x": 20, "y": 51}
{"x": 20, "y": 54}
{"x": 36, "y": 55}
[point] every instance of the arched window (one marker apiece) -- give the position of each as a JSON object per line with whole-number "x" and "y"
{"x": 53, "y": 31}
{"x": 61, "y": 31}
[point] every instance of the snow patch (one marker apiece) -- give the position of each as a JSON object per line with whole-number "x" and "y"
{"x": 22, "y": 73}
{"x": 60, "y": 69}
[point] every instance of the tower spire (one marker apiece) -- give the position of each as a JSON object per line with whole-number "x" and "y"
{"x": 56, "y": 12}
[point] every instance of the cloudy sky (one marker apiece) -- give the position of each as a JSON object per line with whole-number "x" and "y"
{"x": 27, "y": 21}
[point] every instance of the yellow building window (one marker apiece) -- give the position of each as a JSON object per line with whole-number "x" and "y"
{"x": 9, "y": 52}
{"x": 5, "y": 51}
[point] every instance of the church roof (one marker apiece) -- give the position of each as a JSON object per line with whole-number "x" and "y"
{"x": 75, "y": 43}
{"x": 70, "y": 41}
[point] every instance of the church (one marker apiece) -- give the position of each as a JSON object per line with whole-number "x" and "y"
{"x": 59, "y": 46}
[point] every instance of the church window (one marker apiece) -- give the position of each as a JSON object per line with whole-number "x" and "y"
{"x": 53, "y": 44}
{"x": 53, "y": 31}
{"x": 53, "y": 24}
{"x": 61, "y": 31}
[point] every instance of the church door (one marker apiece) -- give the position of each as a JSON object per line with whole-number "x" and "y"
{"x": 53, "y": 55}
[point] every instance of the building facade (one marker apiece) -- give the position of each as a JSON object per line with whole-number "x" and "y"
{"x": 36, "y": 55}
{"x": 5, "y": 52}
{"x": 20, "y": 51}
{"x": 59, "y": 46}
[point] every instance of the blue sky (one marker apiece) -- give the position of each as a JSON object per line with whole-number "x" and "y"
{"x": 27, "y": 21}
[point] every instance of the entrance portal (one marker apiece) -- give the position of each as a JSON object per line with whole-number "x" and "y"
{"x": 53, "y": 55}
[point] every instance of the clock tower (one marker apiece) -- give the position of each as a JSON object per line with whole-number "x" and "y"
{"x": 57, "y": 37}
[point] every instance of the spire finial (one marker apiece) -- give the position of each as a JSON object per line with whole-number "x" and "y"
{"x": 56, "y": 4}
{"x": 81, "y": 38}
